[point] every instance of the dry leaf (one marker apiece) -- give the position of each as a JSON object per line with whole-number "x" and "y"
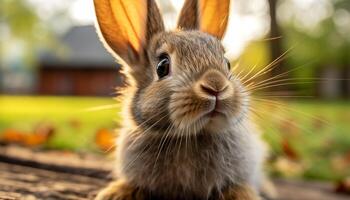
{"x": 42, "y": 133}
{"x": 105, "y": 139}
{"x": 33, "y": 140}
{"x": 13, "y": 136}
{"x": 343, "y": 186}
{"x": 289, "y": 151}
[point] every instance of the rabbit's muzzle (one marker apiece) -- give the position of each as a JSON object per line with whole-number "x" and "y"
{"x": 213, "y": 84}
{"x": 211, "y": 101}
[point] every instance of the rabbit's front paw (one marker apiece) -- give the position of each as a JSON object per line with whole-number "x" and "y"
{"x": 240, "y": 193}
{"x": 120, "y": 190}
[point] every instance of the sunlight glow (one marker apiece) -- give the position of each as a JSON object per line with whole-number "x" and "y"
{"x": 299, "y": 12}
{"x": 242, "y": 28}
{"x": 83, "y": 11}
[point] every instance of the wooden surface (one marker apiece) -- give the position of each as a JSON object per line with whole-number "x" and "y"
{"x": 29, "y": 175}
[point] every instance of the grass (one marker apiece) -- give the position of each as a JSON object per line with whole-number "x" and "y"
{"x": 74, "y": 124}
{"x": 308, "y": 139}
{"x": 314, "y": 136}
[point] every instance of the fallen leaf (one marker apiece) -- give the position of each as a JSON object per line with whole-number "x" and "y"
{"x": 289, "y": 151}
{"x": 42, "y": 133}
{"x": 12, "y": 136}
{"x": 105, "y": 139}
{"x": 343, "y": 186}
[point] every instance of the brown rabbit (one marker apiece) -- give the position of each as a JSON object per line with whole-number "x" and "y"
{"x": 186, "y": 131}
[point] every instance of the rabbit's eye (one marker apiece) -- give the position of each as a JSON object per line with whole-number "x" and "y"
{"x": 228, "y": 64}
{"x": 163, "y": 66}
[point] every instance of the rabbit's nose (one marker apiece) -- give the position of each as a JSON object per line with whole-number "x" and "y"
{"x": 211, "y": 91}
{"x": 213, "y": 83}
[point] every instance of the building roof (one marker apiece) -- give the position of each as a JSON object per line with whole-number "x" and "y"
{"x": 84, "y": 50}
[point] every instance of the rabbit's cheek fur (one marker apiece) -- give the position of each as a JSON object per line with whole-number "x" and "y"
{"x": 152, "y": 105}
{"x": 186, "y": 109}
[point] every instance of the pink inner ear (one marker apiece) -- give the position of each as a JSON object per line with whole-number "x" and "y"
{"x": 131, "y": 19}
{"x": 213, "y": 16}
{"x": 122, "y": 24}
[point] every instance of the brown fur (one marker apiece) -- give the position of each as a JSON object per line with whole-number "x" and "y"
{"x": 188, "y": 18}
{"x": 210, "y": 16}
{"x": 244, "y": 192}
{"x": 172, "y": 145}
{"x": 120, "y": 190}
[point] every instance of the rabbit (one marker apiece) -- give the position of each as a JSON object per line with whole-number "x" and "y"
{"x": 186, "y": 133}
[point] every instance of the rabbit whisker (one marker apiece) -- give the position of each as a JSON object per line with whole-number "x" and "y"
{"x": 276, "y": 85}
{"x": 279, "y": 104}
{"x": 249, "y": 72}
{"x": 103, "y": 107}
{"x": 268, "y": 126}
{"x": 143, "y": 123}
{"x": 269, "y": 67}
{"x": 286, "y": 120}
{"x": 144, "y": 150}
{"x": 161, "y": 144}
{"x": 283, "y": 74}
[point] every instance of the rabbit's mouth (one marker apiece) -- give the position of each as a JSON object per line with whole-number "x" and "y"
{"x": 215, "y": 113}
{"x": 208, "y": 114}
{"x": 216, "y": 117}
{"x": 216, "y": 110}
{"x": 214, "y": 102}
{"x": 192, "y": 111}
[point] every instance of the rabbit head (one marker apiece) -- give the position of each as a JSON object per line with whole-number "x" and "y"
{"x": 179, "y": 79}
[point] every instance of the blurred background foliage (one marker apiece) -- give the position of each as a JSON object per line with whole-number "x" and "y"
{"x": 309, "y": 138}
{"x": 24, "y": 31}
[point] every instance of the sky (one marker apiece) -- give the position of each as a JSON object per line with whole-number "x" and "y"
{"x": 243, "y": 27}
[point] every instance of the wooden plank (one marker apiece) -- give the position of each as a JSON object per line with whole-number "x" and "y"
{"x": 300, "y": 190}
{"x": 53, "y": 175}
{"x": 35, "y": 183}
{"x": 60, "y": 161}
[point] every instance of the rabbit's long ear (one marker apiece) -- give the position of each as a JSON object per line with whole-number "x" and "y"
{"x": 210, "y": 16}
{"x": 127, "y": 26}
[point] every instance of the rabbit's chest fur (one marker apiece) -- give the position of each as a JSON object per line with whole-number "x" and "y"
{"x": 194, "y": 166}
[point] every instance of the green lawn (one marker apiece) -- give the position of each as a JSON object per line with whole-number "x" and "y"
{"x": 75, "y": 120}
{"x": 317, "y": 136}
{"x": 309, "y": 139}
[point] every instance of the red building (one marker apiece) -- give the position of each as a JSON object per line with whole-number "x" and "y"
{"x": 87, "y": 69}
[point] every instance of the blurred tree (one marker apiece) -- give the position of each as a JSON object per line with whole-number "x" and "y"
{"x": 326, "y": 44}
{"x": 320, "y": 41}
{"x": 275, "y": 44}
{"x": 21, "y": 27}
{"x": 23, "y": 34}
